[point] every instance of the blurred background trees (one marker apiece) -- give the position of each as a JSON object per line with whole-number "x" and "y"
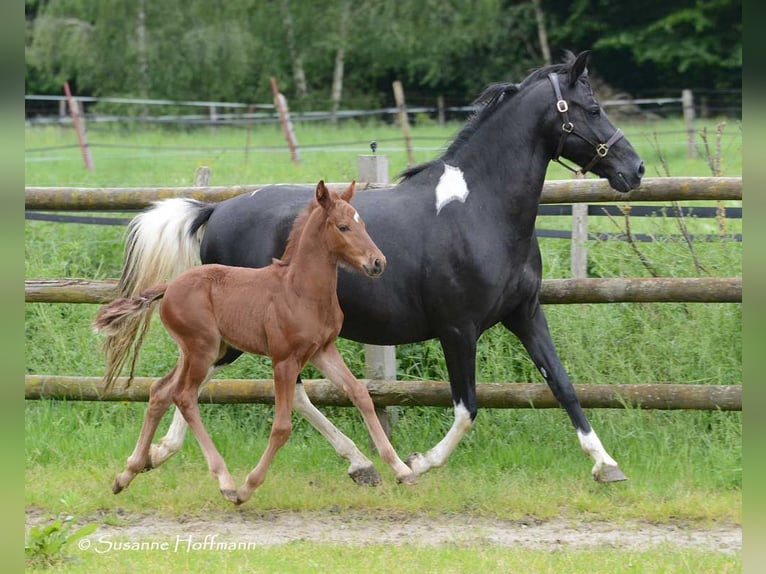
{"x": 350, "y": 52}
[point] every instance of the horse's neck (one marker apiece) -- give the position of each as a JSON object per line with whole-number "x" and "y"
{"x": 313, "y": 270}
{"x": 509, "y": 153}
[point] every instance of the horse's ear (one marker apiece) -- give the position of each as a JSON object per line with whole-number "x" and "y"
{"x": 349, "y": 192}
{"x": 579, "y": 66}
{"x": 322, "y": 195}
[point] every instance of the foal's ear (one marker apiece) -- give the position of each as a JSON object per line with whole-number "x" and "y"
{"x": 322, "y": 195}
{"x": 579, "y": 66}
{"x": 349, "y": 193}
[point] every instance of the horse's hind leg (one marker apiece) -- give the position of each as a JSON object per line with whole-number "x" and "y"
{"x": 361, "y": 469}
{"x": 285, "y": 374}
{"x": 173, "y": 440}
{"x": 193, "y": 371}
{"x": 532, "y": 331}
{"x": 160, "y": 396}
{"x": 334, "y": 368}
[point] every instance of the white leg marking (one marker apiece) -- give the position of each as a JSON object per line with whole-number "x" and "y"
{"x": 343, "y": 445}
{"x": 451, "y": 187}
{"x": 591, "y": 444}
{"x": 439, "y": 454}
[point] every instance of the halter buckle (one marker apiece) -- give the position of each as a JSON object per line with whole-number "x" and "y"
{"x": 602, "y": 150}
{"x": 568, "y": 127}
{"x": 562, "y": 106}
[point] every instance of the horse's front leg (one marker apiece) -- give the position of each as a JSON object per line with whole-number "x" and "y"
{"x": 361, "y": 469}
{"x": 331, "y": 364}
{"x": 285, "y": 374}
{"x": 460, "y": 355}
{"x": 532, "y": 330}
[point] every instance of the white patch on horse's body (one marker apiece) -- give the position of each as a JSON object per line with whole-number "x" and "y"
{"x": 356, "y": 216}
{"x": 451, "y": 187}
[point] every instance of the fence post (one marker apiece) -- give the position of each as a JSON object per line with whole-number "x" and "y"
{"x": 380, "y": 361}
{"x": 280, "y": 103}
{"x": 687, "y": 100}
{"x": 579, "y": 248}
{"x": 79, "y": 128}
{"x": 404, "y": 121}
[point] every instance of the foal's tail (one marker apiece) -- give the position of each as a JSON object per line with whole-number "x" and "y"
{"x": 162, "y": 243}
{"x": 125, "y": 322}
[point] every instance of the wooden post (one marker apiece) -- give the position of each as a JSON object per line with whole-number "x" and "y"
{"x": 579, "y": 248}
{"x": 79, "y": 128}
{"x": 380, "y": 361}
{"x": 213, "y": 119}
{"x": 687, "y": 100}
{"x": 440, "y": 110}
{"x": 247, "y": 132}
{"x": 284, "y": 116}
{"x": 202, "y": 176}
{"x": 404, "y": 121}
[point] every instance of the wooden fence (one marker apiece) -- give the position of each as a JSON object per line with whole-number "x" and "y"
{"x": 426, "y": 393}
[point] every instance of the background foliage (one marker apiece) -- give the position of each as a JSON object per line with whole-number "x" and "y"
{"x": 226, "y": 51}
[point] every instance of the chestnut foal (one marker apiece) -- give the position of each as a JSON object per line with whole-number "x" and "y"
{"x": 288, "y": 311}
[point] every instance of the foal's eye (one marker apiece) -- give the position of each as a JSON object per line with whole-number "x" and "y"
{"x": 595, "y": 111}
{"x": 343, "y": 228}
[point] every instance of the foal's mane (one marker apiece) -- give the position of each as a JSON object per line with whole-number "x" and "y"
{"x": 488, "y": 102}
{"x": 297, "y": 230}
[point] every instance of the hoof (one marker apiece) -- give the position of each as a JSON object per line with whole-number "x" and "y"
{"x": 366, "y": 476}
{"x": 417, "y": 462}
{"x": 116, "y": 488}
{"x": 231, "y": 495}
{"x": 609, "y": 474}
{"x": 408, "y": 479}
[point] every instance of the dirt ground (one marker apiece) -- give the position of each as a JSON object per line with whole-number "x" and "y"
{"x": 349, "y": 527}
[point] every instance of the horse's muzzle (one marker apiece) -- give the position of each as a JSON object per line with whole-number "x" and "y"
{"x": 625, "y": 182}
{"x": 376, "y": 267}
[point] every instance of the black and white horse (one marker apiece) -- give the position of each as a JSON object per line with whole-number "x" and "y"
{"x": 459, "y": 236}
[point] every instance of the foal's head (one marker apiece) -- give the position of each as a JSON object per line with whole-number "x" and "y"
{"x": 346, "y": 234}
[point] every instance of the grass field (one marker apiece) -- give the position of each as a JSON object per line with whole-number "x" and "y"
{"x": 684, "y": 467}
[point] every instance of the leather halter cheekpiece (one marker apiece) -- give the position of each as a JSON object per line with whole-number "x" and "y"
{"x": 567, "y": 128}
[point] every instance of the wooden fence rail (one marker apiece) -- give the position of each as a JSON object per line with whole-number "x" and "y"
{"x": 408, "y": 393}
{"x": 425, "y": 393}
{"x": 554, "y": 291}
{"x": 554, "y": 191}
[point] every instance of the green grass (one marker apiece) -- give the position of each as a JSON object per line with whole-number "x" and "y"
{"x": 308, "y": 557}
{"x": 683, "y": 466}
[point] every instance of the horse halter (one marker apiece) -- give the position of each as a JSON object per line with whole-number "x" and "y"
{"x": 568, "y": 128}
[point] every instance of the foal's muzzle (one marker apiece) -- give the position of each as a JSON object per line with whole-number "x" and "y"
{"x": 375, "y": 267}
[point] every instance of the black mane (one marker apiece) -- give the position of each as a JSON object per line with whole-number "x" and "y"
{"x": 488, "y": 103}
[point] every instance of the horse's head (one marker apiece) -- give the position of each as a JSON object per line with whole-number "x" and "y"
{"x": 583, "y": 132}
{"x": 346, "y": 233}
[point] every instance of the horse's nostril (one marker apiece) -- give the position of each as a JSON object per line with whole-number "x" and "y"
{"x": 641, "y": 169}
{"x": 377, "y": 264}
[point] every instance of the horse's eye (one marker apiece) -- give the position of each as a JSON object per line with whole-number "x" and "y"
{"x": 595, "y": 111}
{"x": 343, "y": 228}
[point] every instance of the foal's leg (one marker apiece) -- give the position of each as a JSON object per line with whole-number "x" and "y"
{"x": 532, "y": 331}
{"x": 160, "y": 396}
{"x": 460, "y": 355}
{"x": 193, "y": 372}
{"x": 334, "y": 368}
{"x": 173, "y": 440}
{"x": 361, "y": 469}
{"x": 285, "y": 374}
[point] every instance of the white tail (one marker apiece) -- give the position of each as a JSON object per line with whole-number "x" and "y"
{"x": 160, "y": 245}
